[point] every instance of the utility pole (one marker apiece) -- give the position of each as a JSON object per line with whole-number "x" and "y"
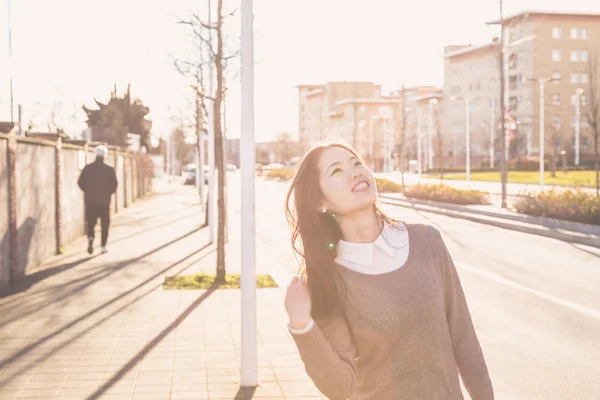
{"x": 503, "y": 102}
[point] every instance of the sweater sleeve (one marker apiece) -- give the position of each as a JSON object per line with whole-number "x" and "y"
{"x": 328, "y": 354}
{"x": 467, "y": 350}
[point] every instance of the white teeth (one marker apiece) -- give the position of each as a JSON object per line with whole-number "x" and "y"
{"x": 360, "y": 186}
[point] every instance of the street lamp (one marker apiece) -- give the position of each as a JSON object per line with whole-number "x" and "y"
{"x": 371, "y": 144}
{"x": 419, "y": 144}
{"x": 578, "y": 93}
{"x": 541, "y": 82}
{"x": 467, "y": 100}
{"x": 432, "y": 103}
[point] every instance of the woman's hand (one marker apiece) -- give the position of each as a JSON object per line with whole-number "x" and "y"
{"x": 297, "y": 303}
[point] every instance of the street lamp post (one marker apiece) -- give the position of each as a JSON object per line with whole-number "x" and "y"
{"x": 371, "y": 140}
{"x": 249, "y": 376}
{"x": 419, "y": 145}
{"x": 542, "y": 82}
{"x": 492, "y": 131}
{"x": 432, "y": 103}
{"x": 578, "y": 93}
{"x": 468, "y": 132}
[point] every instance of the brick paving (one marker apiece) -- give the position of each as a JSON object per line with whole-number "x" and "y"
{"x": 101, "y": 327}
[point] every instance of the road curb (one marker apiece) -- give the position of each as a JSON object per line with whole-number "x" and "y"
{"x": 499, "y": 221}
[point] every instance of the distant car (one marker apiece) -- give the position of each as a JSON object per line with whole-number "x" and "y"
{"x": 190, "y": 175}
{"x": 231, "y": 167}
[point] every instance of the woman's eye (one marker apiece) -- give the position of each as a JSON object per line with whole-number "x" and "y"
{"x": 356, "y": 164}
{"x": 335, "y": 171}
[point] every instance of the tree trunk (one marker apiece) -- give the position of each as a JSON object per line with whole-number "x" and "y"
{"x": 220, "y": 278}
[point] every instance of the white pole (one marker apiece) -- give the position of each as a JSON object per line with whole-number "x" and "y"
{"x": 429, "y": 136}
{"x": 10, "y": 60}
{"x": 385, "y": 145}
{"x": 468, "y": 140}
{"x": 542, "y": 152}
{"x": 200, "y": 170}
{"x": 492, "y": 126}
{"x": 371, "y": 134}
{"x": 391, "y": 147}
{"x": 169, "y": 158}
{"x": 247, "y": 161}
{"x": 211, "y": 143}
{"x": 577, "y": 125}
{"x": 419, "y": 145}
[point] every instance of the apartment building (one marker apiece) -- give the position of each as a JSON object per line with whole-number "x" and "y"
{"x": 355, "y": 112}
{"x": 558, "y": 46}
{"x": 472, "y": 88}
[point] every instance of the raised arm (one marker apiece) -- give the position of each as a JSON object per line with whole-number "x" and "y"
{"x": 328, "y": 353}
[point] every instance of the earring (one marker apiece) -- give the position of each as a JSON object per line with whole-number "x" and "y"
{"x": 323, "y": 209}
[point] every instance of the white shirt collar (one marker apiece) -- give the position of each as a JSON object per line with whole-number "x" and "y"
{"x": 390, "y": 240}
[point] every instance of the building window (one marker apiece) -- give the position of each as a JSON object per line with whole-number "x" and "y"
{"x": 557, "y": 77}
{"x": 584, "y": 78}
{"x": 556, "y": 99}
{"x": 556, "y": 55}
{"x": 514, "y": 103}
{"x": 556, "y": 122}
{"x": 575, "y": 55}
{"x": 512, "y": 82}
{"x": 585, "y": 34}
{"x": 584, "y": 99}
{"x": 573, "y": 99}
{"x": 573, "y": 120}
{"x": 574, "y": 77}
{"x": 574, "y": 33}
{"x": 585, "y": 55}
{"x": 556, "y": 33}
{"x": 512, "y": 61}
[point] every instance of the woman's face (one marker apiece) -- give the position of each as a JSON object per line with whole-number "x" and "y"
{"x": 347, "y": 184}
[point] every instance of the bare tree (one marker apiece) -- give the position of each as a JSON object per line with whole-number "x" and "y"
{"x": 593, "y": 113}
{"x": 213, "y": 52}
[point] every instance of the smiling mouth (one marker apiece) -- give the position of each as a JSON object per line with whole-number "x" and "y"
{"x": 361, "y": 186}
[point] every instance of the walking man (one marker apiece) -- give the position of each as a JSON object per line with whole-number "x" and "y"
{"x": 98, "y": 182}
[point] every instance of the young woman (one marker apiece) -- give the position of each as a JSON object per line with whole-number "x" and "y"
{"x": 378, "y": 311}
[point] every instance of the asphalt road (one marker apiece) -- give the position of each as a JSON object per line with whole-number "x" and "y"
{"x": 535, "y": 301}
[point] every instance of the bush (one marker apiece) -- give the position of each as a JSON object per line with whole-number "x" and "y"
{"x": 570, "y": 205}
{"x": 446, "y": 194}
{"x": 387, "y": 186}
{"x": 528, "y": 164}
{"x": 282, "y": 174}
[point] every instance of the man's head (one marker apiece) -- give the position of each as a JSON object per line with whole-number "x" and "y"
{"x": 101, "y": 152}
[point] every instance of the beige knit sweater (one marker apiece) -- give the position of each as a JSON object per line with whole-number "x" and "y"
{"x": 405, "y": 334}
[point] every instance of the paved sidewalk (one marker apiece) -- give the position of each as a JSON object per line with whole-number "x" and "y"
{"x": 101, "y": 327}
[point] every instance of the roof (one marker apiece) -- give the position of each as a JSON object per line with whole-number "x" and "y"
{"x": 377, "y": 100}
{"x": 540, "y": 12}
{"x": 314, "y": 91}
{"x": 471, "y": 49}
{"x": 426, "y": 97}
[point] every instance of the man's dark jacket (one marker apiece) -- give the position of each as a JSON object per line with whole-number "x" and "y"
{"x": 98, "y": 182}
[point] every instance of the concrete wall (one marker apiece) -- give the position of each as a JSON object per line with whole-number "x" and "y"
{"x": 72, "y": 197}
{"x": 36, "y": 204}
{"x": 4, "y": 215}
{"x": 49, "y": 206}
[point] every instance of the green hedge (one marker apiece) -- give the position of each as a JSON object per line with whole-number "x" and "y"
{"x": 567, "y": 205}
{"x": 446, "y": 194}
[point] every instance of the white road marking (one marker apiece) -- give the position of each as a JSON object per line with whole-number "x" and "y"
{"x": 587, "y": 311}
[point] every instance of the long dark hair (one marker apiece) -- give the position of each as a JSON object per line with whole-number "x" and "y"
{"x": 315, "y": 235}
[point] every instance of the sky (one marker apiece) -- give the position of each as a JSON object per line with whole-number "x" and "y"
{"x": 66, "y": 53}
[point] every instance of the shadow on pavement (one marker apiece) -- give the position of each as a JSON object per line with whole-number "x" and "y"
{"x": 104, "y": 272}
{"x": 5, "y": 378}
{"x": 153, "y": 343}
{"x": 29, "y": 281}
